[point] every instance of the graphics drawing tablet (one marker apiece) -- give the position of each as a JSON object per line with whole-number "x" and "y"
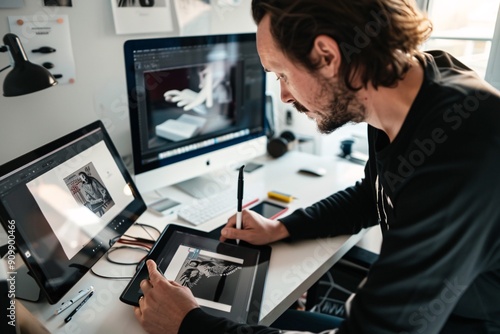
{"x": 226, "y": 279}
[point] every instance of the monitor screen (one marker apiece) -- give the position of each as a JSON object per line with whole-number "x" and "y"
{"x": 196, "y": 104}
{"x": 65, "y": 204}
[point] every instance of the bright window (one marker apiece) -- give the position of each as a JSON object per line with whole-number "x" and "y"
{"x": 464, "y": 29}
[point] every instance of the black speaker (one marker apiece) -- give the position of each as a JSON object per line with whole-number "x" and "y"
{"x": 278, "y": 146}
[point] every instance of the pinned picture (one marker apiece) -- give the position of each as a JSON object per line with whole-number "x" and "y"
{"x": 137, "y": 3}
{"x": 141, "y": 16}
{"x": 59, "y": 3}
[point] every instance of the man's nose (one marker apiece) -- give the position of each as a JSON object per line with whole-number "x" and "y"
{"x": 286, "y": 96}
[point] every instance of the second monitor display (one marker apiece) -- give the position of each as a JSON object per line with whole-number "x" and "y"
{"x": 193, "y": 95}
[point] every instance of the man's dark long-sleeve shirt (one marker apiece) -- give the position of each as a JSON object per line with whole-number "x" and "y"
{"x": 435, "y": 192}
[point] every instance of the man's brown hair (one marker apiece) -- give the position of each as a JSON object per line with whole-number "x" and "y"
{"x": 375, "y": 37}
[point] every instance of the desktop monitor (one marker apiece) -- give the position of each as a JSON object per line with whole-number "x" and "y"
{"x": 64, "y": 204}
{"x": 197, "y": 104}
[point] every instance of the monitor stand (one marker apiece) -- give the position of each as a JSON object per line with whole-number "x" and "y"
{"x": 26, "y": 286}
{"x": 203, "y": 186}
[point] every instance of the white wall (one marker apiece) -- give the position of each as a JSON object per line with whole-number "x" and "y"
{"x": 493, "y": 68}
{"x": 28, "y": 121}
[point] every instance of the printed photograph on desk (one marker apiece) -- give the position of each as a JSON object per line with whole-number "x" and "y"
{"x": 212, "y": 277}
{"x": 87, "y": 189}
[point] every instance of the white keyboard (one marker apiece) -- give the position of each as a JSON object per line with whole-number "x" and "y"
{"x": 203, "y": 210}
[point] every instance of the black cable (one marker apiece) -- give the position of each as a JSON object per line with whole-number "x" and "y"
{"x": 141, "y": 242}
{"x": 120, "y": 263}
{"x": 143, "y": 226}
{"x": 124, "y": 247}
{"x": 110, "y": 277}
{"x": 6, "y": 67}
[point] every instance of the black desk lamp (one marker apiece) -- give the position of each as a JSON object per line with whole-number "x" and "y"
{"x": 25, "y": 77}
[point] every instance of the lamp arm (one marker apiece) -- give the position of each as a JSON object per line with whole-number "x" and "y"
{"x": 4, "y": 48}
{"x": 16, "y": 48}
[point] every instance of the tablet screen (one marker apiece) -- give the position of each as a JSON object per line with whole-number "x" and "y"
{"x": 227, "y": 280}
{"x": 67, "y": 202}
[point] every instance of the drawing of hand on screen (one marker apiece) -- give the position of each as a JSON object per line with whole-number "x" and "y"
{"x": 211, "y": 86}
{"x": 189, "y": 99}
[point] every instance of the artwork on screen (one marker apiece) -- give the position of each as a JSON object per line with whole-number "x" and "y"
{"x": 87, "y": 188}
{"x": 69, "y": 199}
{"x": 196, "y": 104}
{"x": 77, "y": 202}
{"x": 212, "y": 277}
{"x": 195, "y": 101}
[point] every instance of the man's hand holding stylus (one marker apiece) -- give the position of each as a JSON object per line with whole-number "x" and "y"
{"x": 255, "y": 229}
{"x": 164, "y": 303}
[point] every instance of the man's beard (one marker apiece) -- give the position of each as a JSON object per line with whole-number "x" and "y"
{"x": 343, "y": 106}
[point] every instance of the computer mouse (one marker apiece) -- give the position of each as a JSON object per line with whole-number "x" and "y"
{"x": 313, "y": 171}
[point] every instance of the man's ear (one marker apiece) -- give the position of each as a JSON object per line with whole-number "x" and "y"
{"x": 326, "y": 52}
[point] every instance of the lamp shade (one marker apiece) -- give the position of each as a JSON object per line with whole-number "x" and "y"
{"x": 25, "y": 77}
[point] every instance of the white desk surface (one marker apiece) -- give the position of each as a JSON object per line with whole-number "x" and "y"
{"x": 294, "y": 267}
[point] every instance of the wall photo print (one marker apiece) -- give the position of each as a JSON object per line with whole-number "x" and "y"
{"x": 142, "y": 16}
{"x": 60, "y": 3}
{"x": 139, "y": 3}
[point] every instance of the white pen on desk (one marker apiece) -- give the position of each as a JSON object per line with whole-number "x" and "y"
{"x": 70, "y": 316}
{"x": 80, "y": 295}
{"x": 240, "y": 200}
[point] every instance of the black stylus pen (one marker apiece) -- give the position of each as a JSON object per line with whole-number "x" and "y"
{"x": 240, "y": 200}
{"x": 70, "y": 316}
